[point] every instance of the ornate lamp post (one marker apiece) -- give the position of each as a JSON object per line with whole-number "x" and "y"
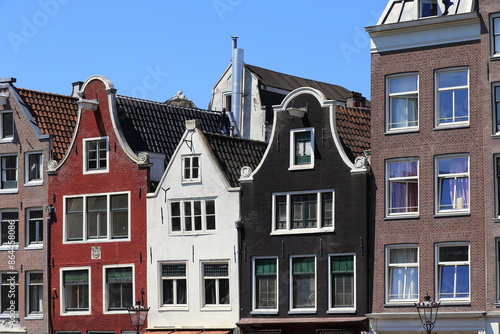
{"x": 138, "y": 315}
{"x": 427, "y": 311}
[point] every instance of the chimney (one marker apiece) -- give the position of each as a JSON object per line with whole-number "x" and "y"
{"x": 236, "y": 83}
{"x": 77, "y": 86}
{"x": 356, "y": 100}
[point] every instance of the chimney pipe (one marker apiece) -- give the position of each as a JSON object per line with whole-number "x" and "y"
{"x": 236, "y": 81}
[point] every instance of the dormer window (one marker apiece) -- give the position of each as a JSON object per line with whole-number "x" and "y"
{"x": 191, "y": 168}
{"x": 302, "y": 148}
{"x": 428, "y": 8}
{"x": 96, "y": 155}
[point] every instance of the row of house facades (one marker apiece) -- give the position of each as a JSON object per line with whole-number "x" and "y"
{"x": 289, "y": 206}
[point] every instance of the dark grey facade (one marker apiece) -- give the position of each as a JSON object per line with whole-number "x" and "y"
{"x": 304, "y": 235}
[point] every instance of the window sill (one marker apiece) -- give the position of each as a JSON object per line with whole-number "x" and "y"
{"x": 402, "y": 303}
{"x": 72, "y": 313}
{"x": 6, "y": 140}
{"x": 7, "y": 247}
{"x": 303, "y": 231}
{"x": 455, "y": 303}
{"x": 302, "y": 311}
{"x": 95, "y": 241}
{"x": 165, "y": 308}
{"x": 452, "y": 214}
{"x": 215, "y": 308}
{"x": 34, "y": 184}
{"x": 341, "y": 311}
{"x": 89, "y": 172}
{"x": 452, "y": 126}
{"x": 495, "y": 57}
{"x": 9, "y": 191}
{"x": 264, "y": 312}
{"x": 402, "y": 131}
{"x": 402, "y": 217}
{"x": 34, "y": 317}
{"x": 115, "y": 312}
{"x": 34, "y": 247}
{"x": 301, "y": 167}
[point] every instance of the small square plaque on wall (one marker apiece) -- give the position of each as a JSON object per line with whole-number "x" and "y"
{"x": 96, "y": 253}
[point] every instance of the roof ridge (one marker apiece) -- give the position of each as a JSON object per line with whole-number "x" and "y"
{"x": 131, "y": 98}
{"x": 46, "y": 93}
{"x": 235, "y": 138}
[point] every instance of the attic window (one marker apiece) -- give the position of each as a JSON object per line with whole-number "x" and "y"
{"x": 191, "y": 168}
{"x": 428, "y": 8}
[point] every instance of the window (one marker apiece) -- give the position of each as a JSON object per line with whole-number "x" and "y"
{"x": 99, "y": 217}
{"x": 10, "y": 292}
{"x": 403, "y": 102}
{"x": 119, "y": 292}
{"x": 216, "y": 284}
{"x": 496, "y": 106}
{"x": 191, "y": 168}
{"x": 402, "y": 187}
{"x": 303, "y": 212}
{"x": 10, "y": 228}
{"x": 35, "y": 293}
{"x": 428, "y": 8}
{"x": 302, "y": 148}
{"x": 76, "y": 292}
{"x": 8, "y": 165}
{"x": 6, "y": 125}
{"x": 453, "y": 272}
{"x": 34, "y": 226}
{"x": 265, "y": 284}
{"x": 303, "y": 284}
{"x": 33, "y": 168}
{"x": 174, "y": 284}
{"x": 453, "y": 183}
{"x": 495, "y": 34}
{"x": 96, "y": 154}
{"x": 192, "y": 216}
{"x": 402, "y": 274}
{"x": 452, "y": 97}
{"x": 342, "y": 282}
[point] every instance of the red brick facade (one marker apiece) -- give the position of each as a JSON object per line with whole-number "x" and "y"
{"x": 123, "y": 176}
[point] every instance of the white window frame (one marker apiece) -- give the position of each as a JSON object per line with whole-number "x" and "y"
{"x": 303, "y": 310}
{"x": 454, "y": 123}
{"x": 63, "y": 311}
{"x": 217, "y": 306}
{"x": 98, "y": 170}
{"x": 16, "y": 293}
{"x": 331, "y": 308}
{"x": 440, "y": 264}
{"x": 388, "y": 269}
{"x": 10, "y": 244}
{"x": 85, "y": 237}
{"x": 438, "y": 189}
{"x": 389, "y": 96}
{"x": 4, "y": 138}
{"x": 105, "y": 300}
{"x": 495, "y": 103}
{"x": 29, "y": 284}
{"x": 497, "y": 257}
{"x": 174, "y": 305}
{"x": 27, "y": 168}
{"x": 293, "y": 165}
{"x": 289, "y": 223}
{"x": 39, "y": 223}
{"x": 494, "y": 17}
{"x": 3, "y": 176}
{"x": 255, "y": 309}
{"x": 420, "y": 9}
{"x": 203, "y": 214}
{"x": 190, "y": 178}
{"x": 405, "y": 179}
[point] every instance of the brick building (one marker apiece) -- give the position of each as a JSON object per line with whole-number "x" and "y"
{"x": 35, "y": 127}
{"x": 434, "y": 146}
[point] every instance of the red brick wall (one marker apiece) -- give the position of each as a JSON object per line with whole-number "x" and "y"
{"x": 123, "y": 175}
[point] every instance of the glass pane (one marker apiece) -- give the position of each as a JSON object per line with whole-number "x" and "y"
{"x": 210, "y": 295}
{"x": 303, "y": 265}
{"x": 266, "y": 292}
{"x": 7, "y": 125}
{"x": 120, "y": 224}
{"x": 462, "y": 281}
{"x": 446, "y": 107}
{"x": 342, "y": 264}
{"x": 462, "y": 105}
{"x": 181, "y": 291}
{"x": 453, "y": 79}
{"x": 265, "y": 267}
{"x": 223, "y": 291}
{"x": 175, "y": 211}
{"x": 403, "y": 169}
{"x": 447, "y": 283}
{"x": 188, "y": 216}
{"x": 405, "y": 255}
{"x": 119, "y": 201}
{"x": 303, "y": 290}
{"x": 280, "y": 212}
{"x": 403, "y": 84}
{"x": 454, "y": 253}
{"x": 75, "y": 226}
{"x": 34, "y": 161}
{"x": 168, "y": 291}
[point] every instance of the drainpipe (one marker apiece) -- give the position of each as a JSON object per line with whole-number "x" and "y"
{"x": 236, "y": 80}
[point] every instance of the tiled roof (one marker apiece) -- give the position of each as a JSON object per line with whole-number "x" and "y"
{"x": 289, "y": 83}
{"x": 157, "y": 127}
{"x": 54, "y": 114}
{"x": 353, "y": 128}
{"x": 234, "y": 153}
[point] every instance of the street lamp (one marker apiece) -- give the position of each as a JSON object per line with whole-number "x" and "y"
{"x": 427, "y": 311}
{"x": 138, "y": 315}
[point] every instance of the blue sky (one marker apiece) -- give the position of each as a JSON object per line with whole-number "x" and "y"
{"x": 153, "y": 48}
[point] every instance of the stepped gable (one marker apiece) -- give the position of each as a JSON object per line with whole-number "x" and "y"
{"x": 234, "y": 153}
{"x": 150, "y": 126}
{"x": 54, "y": 114}
{"x": 353, "y": 128}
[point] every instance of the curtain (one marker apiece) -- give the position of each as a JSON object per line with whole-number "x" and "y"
{"x": 404, "y": 193}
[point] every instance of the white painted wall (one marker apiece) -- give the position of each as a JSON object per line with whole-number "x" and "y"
{"x": 220, "y": 245}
